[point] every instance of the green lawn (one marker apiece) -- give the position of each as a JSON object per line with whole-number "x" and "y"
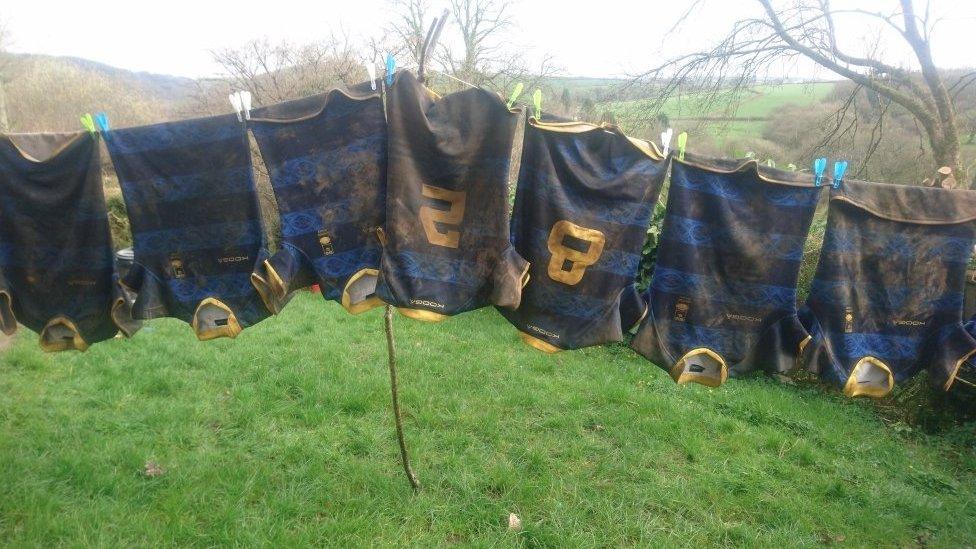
{"x": 284, "y": 437}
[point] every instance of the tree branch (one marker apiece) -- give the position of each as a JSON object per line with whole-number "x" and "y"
{"x": 901, "y": 75}
{"x": 921, "y": 111}
{"x": 394, "y": 393}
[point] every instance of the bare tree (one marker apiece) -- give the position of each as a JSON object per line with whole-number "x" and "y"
{"x": 472, "y": 49}
{"x": 479, "y": 22}
{"x": 282, "y": 71}
{"x": 807, "y": 29}
{"x": 409, "y": 28}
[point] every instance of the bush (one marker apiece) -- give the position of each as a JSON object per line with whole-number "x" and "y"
{"x": 118, "y": 220}
{"x": 649, "y": 253}
{"x": 900, "y": 156}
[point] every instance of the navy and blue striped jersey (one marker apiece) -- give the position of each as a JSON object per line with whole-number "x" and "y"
{"x": 584, "y": 201}
{"x": 196, "y": 224}
{"x": 326, "y": 156}
{"x": 887, "y": 297}
{"x": 57, "y": 274}
{"x": 447, "y": 247}
{"x": 723, "y": 291}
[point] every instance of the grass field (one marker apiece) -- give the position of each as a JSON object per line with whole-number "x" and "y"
{"x": 284, "y": 437}
{"x": 758, "y": 102}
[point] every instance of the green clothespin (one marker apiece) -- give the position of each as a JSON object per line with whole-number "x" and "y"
{"x": 88, "y": 123}
{"x": 515, "y": 94}
{"x": 537, "y": 101}
{"x": 682, "y": 143}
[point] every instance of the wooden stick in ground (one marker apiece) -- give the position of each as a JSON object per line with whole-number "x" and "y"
{"x": 397, "y": 418}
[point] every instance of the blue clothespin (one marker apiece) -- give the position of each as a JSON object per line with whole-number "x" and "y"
{"x": 390, "y": 68}
{"x": 101, "y": 119}
{"x": 839, "y": 168}
{"x": 819, "y": 167}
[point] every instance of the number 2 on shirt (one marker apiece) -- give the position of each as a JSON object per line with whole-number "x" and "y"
{"x": 441, "y": 226}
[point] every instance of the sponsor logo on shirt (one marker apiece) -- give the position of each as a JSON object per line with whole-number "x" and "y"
{"x": 539, "y": 330}
{"x": 232, "y": 259}
{"x": 909, "y": 322}
{"x": 427, "y": 303}
{"x": 743, "y": 318}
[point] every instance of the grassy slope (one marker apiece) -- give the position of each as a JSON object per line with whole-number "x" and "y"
{"x": 761, "y": 102}
{"x": 284, "y": 436}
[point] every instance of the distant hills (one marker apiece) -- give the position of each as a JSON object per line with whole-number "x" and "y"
{"x": 175, "y": 88}
{"x": 48, "y": 93}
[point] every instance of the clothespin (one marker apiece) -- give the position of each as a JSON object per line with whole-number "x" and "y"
{"x": 101, "y": 119}
{"x": 682, "y": 144}
{"x": 537, "y": 102}
{"x": 515, "y": 94}
{"x": 430, "y": 42}
{"x": 666, "y": 140}
{"x": 235, "y": 101}
{"x": 819, "y": 166}
{"x": 390, "y": 68}
{"x": 246, "y": 104}
{"x": 840, "y": 167}
{"x": 371, "y": 70}
{"x": 88, "y": 123}
{"x": 241, "y": 101}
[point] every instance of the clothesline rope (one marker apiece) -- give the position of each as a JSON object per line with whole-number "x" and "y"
{"x": 453, "y": 78}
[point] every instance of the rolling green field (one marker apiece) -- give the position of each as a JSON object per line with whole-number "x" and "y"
{"x": 284, "y": 437}
{"x": 758, "y": 102}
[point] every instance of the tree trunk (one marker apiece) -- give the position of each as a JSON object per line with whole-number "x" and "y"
{"x": 945, "y": 152}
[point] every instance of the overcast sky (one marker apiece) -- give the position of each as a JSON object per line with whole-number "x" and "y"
{"x": 606, "y": 38}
